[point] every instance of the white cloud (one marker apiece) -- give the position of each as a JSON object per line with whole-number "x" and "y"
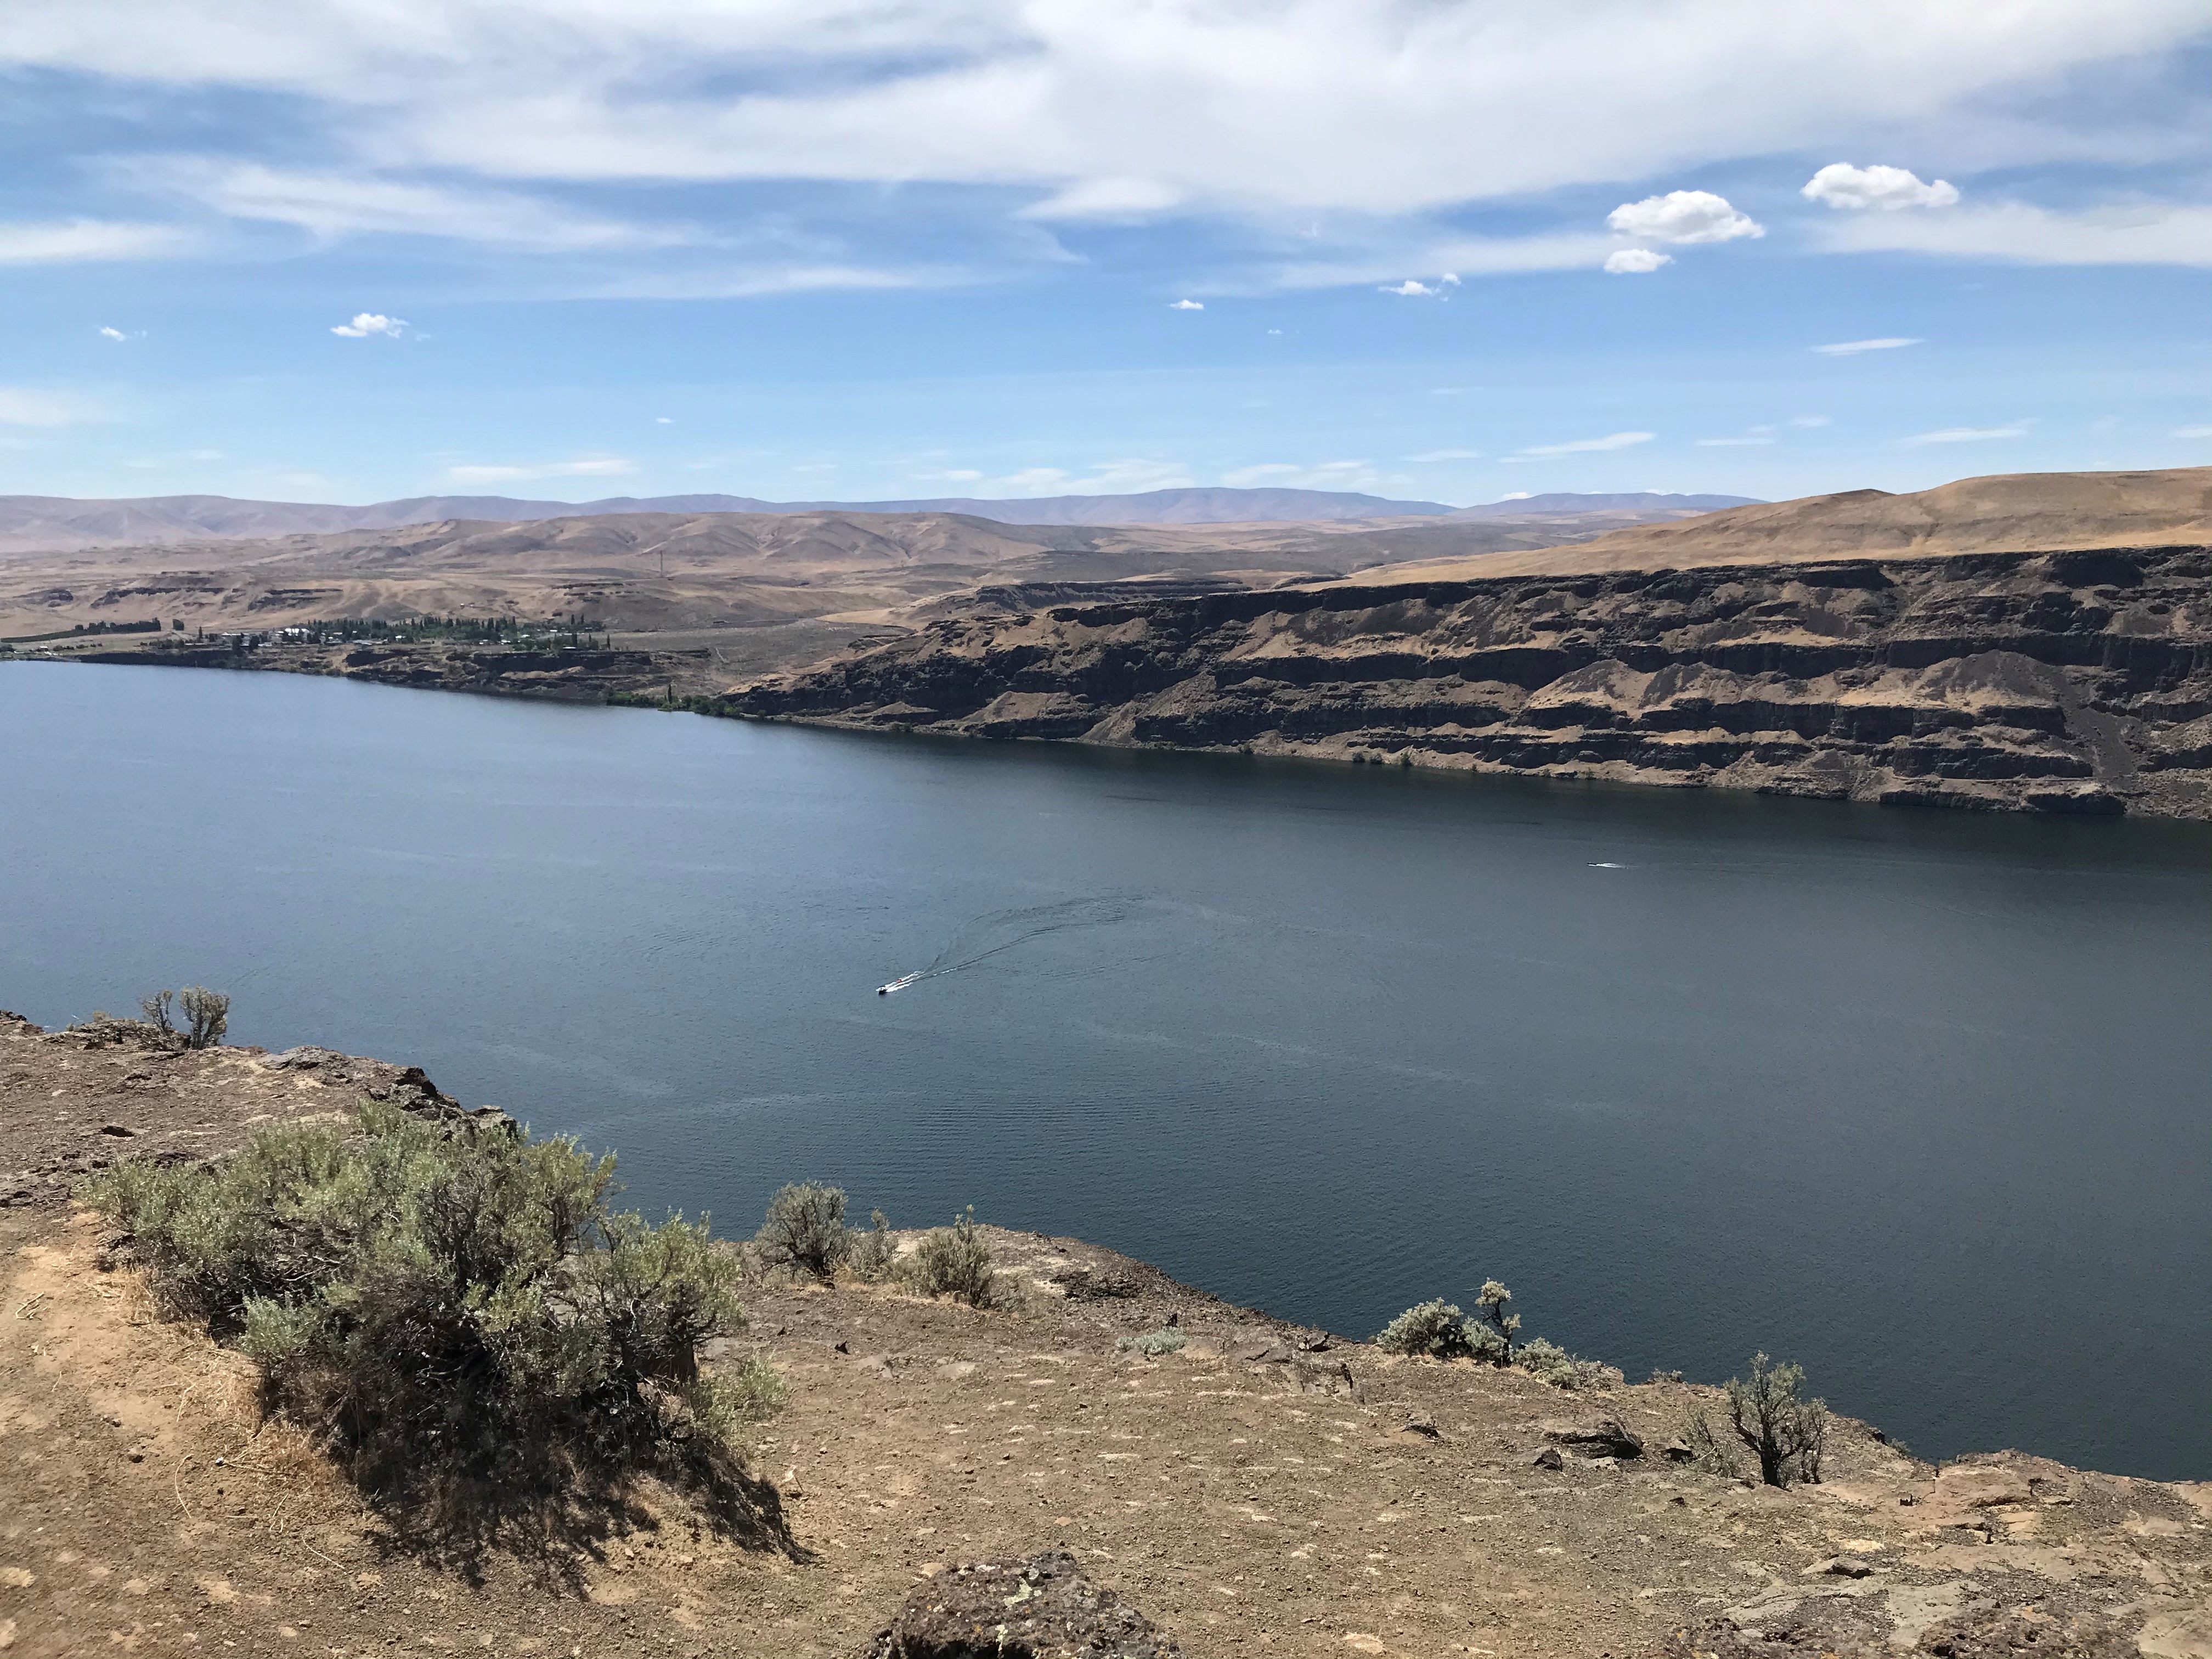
{"x": 1447, "y": 455}
{"x": 1635, "y": 261}
{"x": 1107, "y": 200}
{"x": 1840, "y": 184}
{"x": 1748, "y": 440}
{"x": 1809, "y": 420}
{"x": 1966, "y": 434}
{"x": 1683, "y": 216}
{"x": 596, "y": 466}
{"x": 27, "y": 406}
{"x": 1327, "y": 474}
{"x": 1120, "y": 477}
{"x": 332, "y": 205}
{"x": 2193, "y": 432}
{"x": 1853, "y": 348}
{"x": 1460, "y": 257}
{"x": 1365, "y": 108}
{"x": 107, "y": 333}
{"x": 662, "y": 420}
{"x": 86, "y": 240}
{"x": 1415, "y": 289}
{"x": 2138, "y": 234}
{"x": 1584, "y": 445}
{"x": 764, "y": 282}
{"x": 368, "y": 322}
{"x": 1187, "y": 305}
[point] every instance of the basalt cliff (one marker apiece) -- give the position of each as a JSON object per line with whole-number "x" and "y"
{"x": 2054, "y": 681}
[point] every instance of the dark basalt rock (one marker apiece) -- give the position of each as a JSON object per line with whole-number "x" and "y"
{"x": 2065, "y": 683}
{"x": 1044, "y": 1608}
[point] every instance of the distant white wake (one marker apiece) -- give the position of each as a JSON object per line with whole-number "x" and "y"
{"x": 1001, "y": 930}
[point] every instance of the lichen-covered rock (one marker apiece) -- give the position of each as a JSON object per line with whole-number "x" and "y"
{"x": 1044, "y": 1608}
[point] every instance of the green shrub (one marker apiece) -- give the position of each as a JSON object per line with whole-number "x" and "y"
{"x": 1169, "y": 1338}
{"x": 1555, "y": 1365}
{"x": 207, "y": 1013}
{"x": 805, "y": 1230}
{"x": 871, "y": 1254}
{"x": 955, "y": 1261}
{"x": 1435, "y": 1328}
{"x": 1787, "y": 1435}
{"x": 458, "y": 1310}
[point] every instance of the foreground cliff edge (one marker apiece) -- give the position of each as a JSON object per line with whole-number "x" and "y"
{"x": 2066, "y": 682}
{"x": 1264, "y": 1490}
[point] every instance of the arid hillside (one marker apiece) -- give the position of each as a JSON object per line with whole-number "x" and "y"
{"x": 1250, "y": 1486}
{"x": 2009, "y": 512}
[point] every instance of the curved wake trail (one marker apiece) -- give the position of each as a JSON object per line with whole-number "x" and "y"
{"x": 1001, "y": 930}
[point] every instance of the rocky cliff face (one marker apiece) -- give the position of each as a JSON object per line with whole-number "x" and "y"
{"x": 2057, "y": 682}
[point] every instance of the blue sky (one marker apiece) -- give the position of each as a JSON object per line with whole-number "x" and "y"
{"x": 347, "y": 250}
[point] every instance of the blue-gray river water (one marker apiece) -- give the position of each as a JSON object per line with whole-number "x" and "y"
{"x": 1919, "y": 1100}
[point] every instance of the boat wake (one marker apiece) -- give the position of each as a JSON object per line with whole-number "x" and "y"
{"x": 997, "y": 932}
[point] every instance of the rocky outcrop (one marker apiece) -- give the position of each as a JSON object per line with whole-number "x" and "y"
{"x": 2058, "y": 682}
{"x": 1044, "y": 1607}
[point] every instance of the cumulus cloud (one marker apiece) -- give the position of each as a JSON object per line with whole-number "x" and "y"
{"x": 1683, "y": 216}
{"x": 1414, "y": 288}
{"x": 1187, "y": 305}
{"x": 83, "y": 240}
{"x": 1840, "y": 184}
{"x": 1853, "y": 348}
{"x": 1966, "y": 434}
{"x": 595, "y": 466}
{"x": 107, "y": 333}
{"x": 368, "y": 322}
{"x": 1634, "y": 261}
{"x": 1582, "y": 446}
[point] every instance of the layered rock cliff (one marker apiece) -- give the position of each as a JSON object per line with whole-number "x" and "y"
{"x": 2077, "y": 682}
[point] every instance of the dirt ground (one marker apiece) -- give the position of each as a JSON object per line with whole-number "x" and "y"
{"x": 1267, "y": 1490}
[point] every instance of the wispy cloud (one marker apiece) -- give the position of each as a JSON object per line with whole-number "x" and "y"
{"x": 2139, "y": 234}
{"x": 2193, "y": 432}
{"x": 1854, "y": 348}
{"x": 107, "y": 333}
{"x": 1430, "y": 455}
{"x": 1966, "y": 434}
{"x": 28, "y": 406}
{"x": 1288, "y": 475}
{"x": 593, "y": 466}
{"x": 82, "y": 240}
{"x": 1582, "y": 446}
{"x": 1748, "y": 439}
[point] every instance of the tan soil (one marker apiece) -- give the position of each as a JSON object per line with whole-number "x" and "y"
{"x": 1253, "y": 1494}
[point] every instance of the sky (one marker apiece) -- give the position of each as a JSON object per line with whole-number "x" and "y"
{"x": 1445, "y": 250}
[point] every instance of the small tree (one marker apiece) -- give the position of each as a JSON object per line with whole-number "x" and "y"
{"x": 1787, "y": 1435}
{"x": 156, "y": 1006}
{"x": 1491, "y": 1299}
{"x": 208, "y": 1011}
{"x": 805, "y": 1230}
{"x": 955, "y": 1261}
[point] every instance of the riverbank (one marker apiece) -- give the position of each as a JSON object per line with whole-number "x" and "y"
{"x": 1265, "y": 1489}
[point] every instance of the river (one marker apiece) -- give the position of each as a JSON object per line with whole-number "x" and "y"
{"x": 1919, "y": 1100}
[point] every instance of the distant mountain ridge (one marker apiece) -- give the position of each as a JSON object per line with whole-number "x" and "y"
{"x": 63, "y": 523}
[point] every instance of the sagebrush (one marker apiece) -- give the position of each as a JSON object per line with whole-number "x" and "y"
{"x": 805, "y": 1230}
{"x": 1787, "y": 1435}
{"x": 955, "y": 1261}
{"x": 459, "y": 1313}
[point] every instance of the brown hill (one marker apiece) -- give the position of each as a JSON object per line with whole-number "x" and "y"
{"x": 2008, "y": 512}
